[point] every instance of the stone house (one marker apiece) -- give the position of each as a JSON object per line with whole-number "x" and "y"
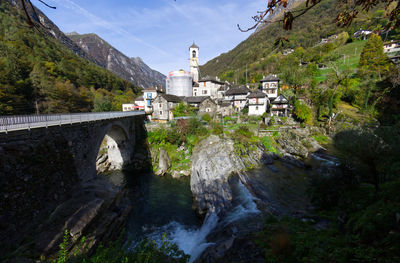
{"x": 208, "y": 87}
{"x": 270, "y": 85}
{"x": 195, "y": 101}
{"x": 207, "y": 106}
{"x": 258, "y": 103}
{"x": 237, "y": 96}
{"x": 280, "y": 107}
{"x": 224, "y": 108}
{"x": 163, "y": 106}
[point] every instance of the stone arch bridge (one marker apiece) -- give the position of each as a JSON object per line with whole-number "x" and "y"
{"x": 48, "y": 171}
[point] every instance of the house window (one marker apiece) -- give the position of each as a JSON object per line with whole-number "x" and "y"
{"x": 159, "y": 105}
{"x": 204, "y": 92}
{"x": 193, "y": 53}
{"x": 160, "y": 112}
{"x": 195, "y": 94}
{"x": 256, "y": 107}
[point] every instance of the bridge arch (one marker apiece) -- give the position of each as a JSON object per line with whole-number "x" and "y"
{"x": 114, "y": 148}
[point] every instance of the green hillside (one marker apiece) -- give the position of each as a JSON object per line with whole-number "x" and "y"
{"x": 37, "y": 73}
{"x": 263, "y": 57}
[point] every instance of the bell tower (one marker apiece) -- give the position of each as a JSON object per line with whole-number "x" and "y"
{"x": 194, "y": 61}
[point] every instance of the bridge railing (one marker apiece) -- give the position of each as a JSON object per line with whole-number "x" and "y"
{"x": 26, "y": 122}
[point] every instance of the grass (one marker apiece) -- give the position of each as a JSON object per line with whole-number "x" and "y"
{"x": 352, "y": 53}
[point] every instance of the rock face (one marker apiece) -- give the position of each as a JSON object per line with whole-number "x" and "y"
{"x": 214, "y": 160}
{"x": 164, "y": 162}
{"x": 131, "y": 69}
{"x": 297, "y": 142}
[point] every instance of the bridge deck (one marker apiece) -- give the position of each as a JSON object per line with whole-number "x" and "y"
{"x": 27, "y": 122}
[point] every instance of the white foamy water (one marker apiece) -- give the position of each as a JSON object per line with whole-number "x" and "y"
{"x": 245, "y": 207}
{"x": 191, "y": 241}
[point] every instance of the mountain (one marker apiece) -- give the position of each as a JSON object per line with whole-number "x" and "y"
{"x": 52, "y": 29}
{"x": 97, "y": 50}
{"x": 42, "y": 70}
{"x": 258, "y": 52}
{"x": 131, "y": 69}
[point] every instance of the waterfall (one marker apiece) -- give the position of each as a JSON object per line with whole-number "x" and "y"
{"x": 190, "y": 240}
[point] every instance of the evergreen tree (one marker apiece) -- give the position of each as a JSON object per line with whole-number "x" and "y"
{"x": 372, "y": 59}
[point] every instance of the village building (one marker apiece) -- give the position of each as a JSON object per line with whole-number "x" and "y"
{"x": 280, "y": 107}
{"x": 362, "y": 34}
{"x": 128, "y": 106}
{"x": 258, "y": 103}
{"x": 163, "y": 106}
{"x": 179, "y": 83}
{"x": 237, "y": 96}
{"x": 139, "y": 102}
{"x": 208, "y": 87}
{"x": 269, "y": 85}
{"x": 194, "y": 101}
{"x": 224, "y": 108}
{"x": 149, "y": 96}
{"x": 392, "y": 46}
{"x": 194, "y": 62}
{"x": 209, "y": 106}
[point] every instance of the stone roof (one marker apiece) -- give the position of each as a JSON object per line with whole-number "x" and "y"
{"x": 280, "y": 100}
{"x": 195, "y": 99}
{"x": 257, "y": 94}
{"x": 193, "y": 46}
{"x": 224, "y": 104}
{"x": 171, "y": 98}
{"x": 196, "y": 85}
{"x": 237, "y": 91}
{"x": 270, "y": 78}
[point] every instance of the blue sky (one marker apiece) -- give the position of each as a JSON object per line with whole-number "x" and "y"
{"x": 159, "y": 31}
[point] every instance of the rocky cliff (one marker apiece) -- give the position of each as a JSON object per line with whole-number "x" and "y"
{"x": 131, "y": 69}
{"x": 214, "y": 160}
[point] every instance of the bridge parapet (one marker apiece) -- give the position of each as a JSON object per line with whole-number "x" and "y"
{"x": 27, "y": 122}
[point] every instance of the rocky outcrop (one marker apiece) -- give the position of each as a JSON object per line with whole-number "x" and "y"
{"x": 297, "y": 143}
{"x": 214, "y": 160}
{"x": 164, "y": 162}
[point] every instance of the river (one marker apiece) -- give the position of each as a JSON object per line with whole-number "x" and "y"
{"x": 164, "y": 205}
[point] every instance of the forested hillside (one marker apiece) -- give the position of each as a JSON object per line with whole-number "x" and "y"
{"x": 261, "y": 54}
{"x": 39, "y": 74}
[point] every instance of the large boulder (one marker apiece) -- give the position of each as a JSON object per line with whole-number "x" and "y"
{"x": 164, "y": 162}
{"x": 214, "y": 160}
{"x": 298, "y": 143}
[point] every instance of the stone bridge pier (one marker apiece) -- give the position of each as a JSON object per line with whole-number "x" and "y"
{"x": 49, "y": 183}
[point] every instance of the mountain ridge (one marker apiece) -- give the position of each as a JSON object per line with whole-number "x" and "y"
{"x": 131, "y": 69}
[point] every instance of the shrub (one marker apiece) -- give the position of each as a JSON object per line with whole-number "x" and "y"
{"x": 217, "y": 128}
{"x": 195, "y": 127}
{"x": 206, "y": 117}
{"x": 303, "y": 112}
{"x": 228, "y": 119}
{"x": 243, "y": 133}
